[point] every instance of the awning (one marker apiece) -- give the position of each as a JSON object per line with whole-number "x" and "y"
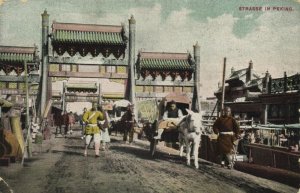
{"x": 122, "y": 103}
{"x": 177, "y": 97}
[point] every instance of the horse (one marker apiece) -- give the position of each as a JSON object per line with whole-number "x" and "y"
{"x": 190, "y": 131}
{"x": 59, "y": 121}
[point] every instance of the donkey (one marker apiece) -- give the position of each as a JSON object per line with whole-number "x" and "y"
{"x": 190, "y": 130}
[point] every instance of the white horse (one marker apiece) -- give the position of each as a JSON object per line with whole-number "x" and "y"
{"x": 190, "y": 130}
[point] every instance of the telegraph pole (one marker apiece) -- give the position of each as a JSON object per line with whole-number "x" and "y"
{"x": 45, "y": 61}
{"x": 131, "y": 60}
{"x": 223, "y": 84}
{"x": 28, "y": 137}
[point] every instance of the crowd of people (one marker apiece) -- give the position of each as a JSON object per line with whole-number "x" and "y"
{"x": 95, "y": 124}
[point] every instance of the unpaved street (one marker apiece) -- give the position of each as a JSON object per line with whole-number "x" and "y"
{"x": 125, "y": 168}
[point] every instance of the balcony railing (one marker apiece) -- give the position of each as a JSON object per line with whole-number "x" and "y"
{"x": 285, "y": 84}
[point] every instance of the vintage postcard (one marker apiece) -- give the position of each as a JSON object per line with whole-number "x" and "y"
{"x": 133, "y": 64}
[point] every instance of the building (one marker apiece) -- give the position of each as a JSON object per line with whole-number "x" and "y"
{"x": 161, "y": 73}
{"x": 265, "y": 99}
{"x": 84, "y": 62}
{"x": 12, "y": 72}
{"x": 94, "y": 63}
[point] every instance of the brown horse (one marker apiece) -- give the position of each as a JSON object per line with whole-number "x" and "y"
{"x": 60, "y": 120}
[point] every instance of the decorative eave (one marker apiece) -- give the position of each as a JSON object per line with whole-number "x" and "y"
{"x": 13, "y": 58}
{"x": 113, "y": 95}
{"x": 84, "y": 38}
{"x": 82, "y": 88}
{"x": 165, "y": 64}
{"x": 165, "y": 61}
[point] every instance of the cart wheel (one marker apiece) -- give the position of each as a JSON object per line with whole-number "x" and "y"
{"x": 153, "y": 147}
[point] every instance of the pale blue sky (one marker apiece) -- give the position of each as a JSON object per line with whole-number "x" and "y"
{"x": 269, "y": 38}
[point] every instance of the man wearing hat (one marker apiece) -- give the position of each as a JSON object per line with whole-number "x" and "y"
{"x": 170, "y": 120}
{"x": 228, "y": 131}
{"x": 92, "y": 129}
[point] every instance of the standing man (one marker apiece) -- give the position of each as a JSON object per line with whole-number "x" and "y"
{"x": 127, "y": 121}
{"x": 228, "y": 130}
{"x": 92, "y": 129}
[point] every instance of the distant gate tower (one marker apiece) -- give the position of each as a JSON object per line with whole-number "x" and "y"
{"x": 87, "y": 62}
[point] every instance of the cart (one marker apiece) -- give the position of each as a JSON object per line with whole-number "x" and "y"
{"x": 118, "y": 109}
{"x": 169, "y": 135}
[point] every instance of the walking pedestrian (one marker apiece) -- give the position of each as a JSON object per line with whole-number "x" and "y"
{"x": 71, "y": 122}
{"x": 92, "y": 129}
{"x": 228, "y": 129}
{"x": 104, "y": 137}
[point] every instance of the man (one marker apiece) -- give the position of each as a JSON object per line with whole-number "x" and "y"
{"x": 82, "y": 123}
{"x": 92, "y": 129}
{"x": 242, "y": 145}
{"x": 228, "y": 130}
{"x": 71, "y": 120}
{"x": 127, "y": 121}
{"x": 170, "y": 120}
{"x": 104, "y": 137}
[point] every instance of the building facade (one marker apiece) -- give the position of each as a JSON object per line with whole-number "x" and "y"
{"x": 84, "y": 62}
{"x": 265, "y": 99}
{"x": 159, "y": 74}
{"x": 12, "y": 72}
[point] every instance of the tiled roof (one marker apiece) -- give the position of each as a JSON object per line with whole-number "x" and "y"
{"x": 165, "y": 61}
{"x": 237, "y": 74}
{"x": 240, "y": 73}
{"x": 254, "y": 83}
{"x": 17, "y": 54}
{"x": 87, "y": 33}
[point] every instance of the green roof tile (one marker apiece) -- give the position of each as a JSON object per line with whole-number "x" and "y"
{"x": 88, "y": 37}
{"x": 15, "y": 57}
{"x": 151, "y": 63}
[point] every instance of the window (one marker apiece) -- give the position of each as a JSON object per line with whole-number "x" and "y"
{"x": 12, "y": 85}
{"x": 54, "y": 68}
{"x": 2, "y": 85}
{"x": 121, "y": 69}
{"x": 168, "y": 89}
{"x": 187, "y": 89}
{"x": 139, "y": 88}
{"x": 159, "y": 89}
{"x": 177, "y": 89}
{"x": 148, "y": 89}
{"x": 111, "y": 69}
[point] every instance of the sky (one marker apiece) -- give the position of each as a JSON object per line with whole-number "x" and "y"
{"x": 270, "y": 38}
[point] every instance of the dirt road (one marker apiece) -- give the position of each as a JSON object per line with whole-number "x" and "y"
{"x": 125, "y": 168}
